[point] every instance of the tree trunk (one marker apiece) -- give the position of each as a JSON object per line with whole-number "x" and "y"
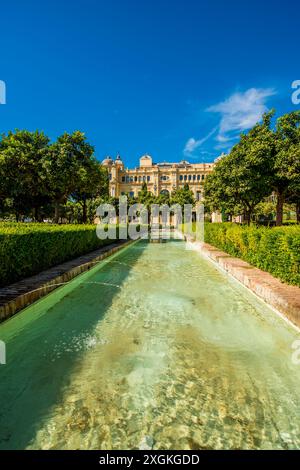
{"x": 298, "y": 212}
{"x": 247, "y": 216}
{"x": 37, "y": 215}
{"x": 56, "y": 213}
{"x": 84, "y": 212}
{"x": 279, "y": 208}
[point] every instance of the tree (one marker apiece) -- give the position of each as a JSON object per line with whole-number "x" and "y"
{"x": 286, "y": 163}
{"x": 183, "y": 196}
{"x": 220, "y": 193}
{"x": 265, "y": 211}
{"x": 163, "y": 198}
{"x": 22, "y": 171}
{"x": 241, "y": 179}
{"x": 71, "y": 170}
{"x": 146, "y": 197}
{"x": 92, "y": 181}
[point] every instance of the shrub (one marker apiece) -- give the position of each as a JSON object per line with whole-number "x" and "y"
{"x": 276, "y": 250}
{"x": 27, "y": 249}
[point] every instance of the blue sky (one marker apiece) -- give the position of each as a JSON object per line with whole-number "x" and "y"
{"x": 176, "y": 79}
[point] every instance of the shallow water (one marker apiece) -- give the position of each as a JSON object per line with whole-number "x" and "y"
{"x": 153, "y": 346}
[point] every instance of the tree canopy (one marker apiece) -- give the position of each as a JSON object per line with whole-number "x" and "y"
{"x": 264, "y": 161}
{"x": 38, "y": 177}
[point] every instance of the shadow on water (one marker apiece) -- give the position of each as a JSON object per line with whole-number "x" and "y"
{"x": 45, "y": 341}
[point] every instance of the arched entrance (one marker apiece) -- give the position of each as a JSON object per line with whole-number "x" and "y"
{"x": 165, "y": 192}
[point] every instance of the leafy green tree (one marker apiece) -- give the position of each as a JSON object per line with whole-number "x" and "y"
{"x": 255, "y": 167}
{"x": 162, "y": 199}
{"x": 220, "y": 193}
{"x": 294, "y": 198}
{"x": 91, "y": 181}
{"x": 265, "y": 211}
{"x": 22, "y": 171}
{"x": 146, "y": 197}
{"x": 183, "y": 196}
{"x": 72, "y": 170}
{"x": 286, "y": 163}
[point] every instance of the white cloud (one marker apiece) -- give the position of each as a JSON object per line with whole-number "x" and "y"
{"x": 192, "y": 144}
{"x": 240, "y": 112}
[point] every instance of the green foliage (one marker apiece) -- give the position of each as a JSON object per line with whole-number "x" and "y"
{"x": 265, "y": 161}
{"x": 276, "y": 250}
{"x": 145, "y": 197}
{"x": 241, "y": 179}
{"x": 183, "y": 196}
{"x": 27, "y": 249}
{"x": 22, "y": 170}
{"x": 37, "y": 179}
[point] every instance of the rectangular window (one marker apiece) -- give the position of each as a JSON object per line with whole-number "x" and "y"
{"x": 198, "y": 177}
{"x": 135, "y": 178}
{"x": 181, "y": 177}
{"x": 190, "y": 177}
{"x": 123, "y": 179}
{"x": 148, "y": 178}
{"x": 203, "y": 176}
{"x": 194, "y": 177}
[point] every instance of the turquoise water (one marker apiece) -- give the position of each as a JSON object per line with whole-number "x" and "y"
{"x": 154, "y": 347}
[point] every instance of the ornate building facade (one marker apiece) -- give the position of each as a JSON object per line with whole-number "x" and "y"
{"x": 161, "y": 178}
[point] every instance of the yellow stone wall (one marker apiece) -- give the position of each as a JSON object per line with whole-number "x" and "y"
{"x": 159, "y": 177}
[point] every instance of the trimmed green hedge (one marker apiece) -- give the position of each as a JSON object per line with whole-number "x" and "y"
{"x": 27, "y": 249}
{"x": 276, "y": 250}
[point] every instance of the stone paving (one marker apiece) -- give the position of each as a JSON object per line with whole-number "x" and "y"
{"x": 15, "y": 297}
